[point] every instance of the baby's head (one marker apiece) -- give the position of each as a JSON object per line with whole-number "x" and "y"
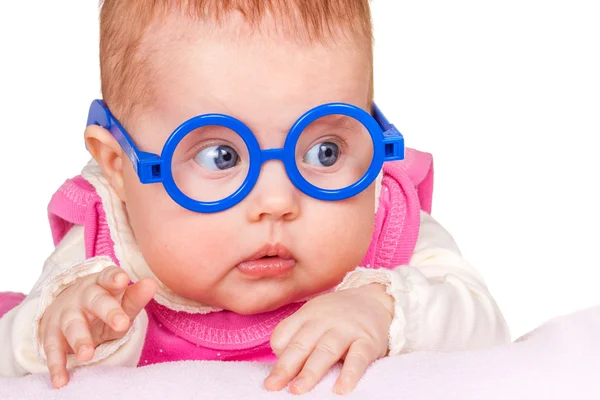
{"x": 264, "y": 62}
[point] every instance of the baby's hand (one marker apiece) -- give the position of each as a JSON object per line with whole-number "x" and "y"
{"x": 351, "y": 324}
{"x": 95, "y": 309}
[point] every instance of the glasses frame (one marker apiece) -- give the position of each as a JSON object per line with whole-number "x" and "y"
{"x": 388, "y": 145}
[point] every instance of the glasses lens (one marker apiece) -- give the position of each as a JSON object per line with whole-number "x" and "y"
{"x": 210, "y": 163}
{"x": 334, "y": 151}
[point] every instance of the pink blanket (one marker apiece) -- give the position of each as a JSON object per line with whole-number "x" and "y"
{"x": 559, "y": 360}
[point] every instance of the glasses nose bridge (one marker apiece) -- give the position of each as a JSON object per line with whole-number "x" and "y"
{"x": 272, "y": 154}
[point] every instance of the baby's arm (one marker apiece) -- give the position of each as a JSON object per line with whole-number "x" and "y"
{"x": 22, "y": 351}
{"x": 441, "y": 302}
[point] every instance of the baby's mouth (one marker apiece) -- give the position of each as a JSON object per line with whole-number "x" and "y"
{"x": 272, "y": 260}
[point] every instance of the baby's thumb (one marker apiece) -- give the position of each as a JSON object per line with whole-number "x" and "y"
{"x": 137, "y": 296}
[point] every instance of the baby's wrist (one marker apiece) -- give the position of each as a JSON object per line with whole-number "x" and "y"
{"x": 379, "y": 291}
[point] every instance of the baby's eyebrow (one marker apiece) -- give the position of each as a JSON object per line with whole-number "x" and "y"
{"x": 213, "y": 130}
{"x": 336, "y": 120}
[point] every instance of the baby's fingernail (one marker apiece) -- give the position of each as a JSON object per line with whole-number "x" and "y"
{"x": 299, "y": 384}
{"x": 116, "y": 277}
{"x": 272, "y": 380}
{"x": 120, "y": 320}
{"x": 341, "y": 390}
{"x": 56, "y": 380}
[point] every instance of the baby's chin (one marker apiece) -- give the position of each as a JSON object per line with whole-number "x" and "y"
{"x": 267, "y": 302}
{"x": 247, "y": 305}
{"x": 262, "y": 300}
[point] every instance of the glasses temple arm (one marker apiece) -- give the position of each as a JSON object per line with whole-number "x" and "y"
{"x": 146, "y": 165}
{"x": 392, "y": 138}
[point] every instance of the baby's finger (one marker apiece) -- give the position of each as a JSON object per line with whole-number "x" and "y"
{"x": 328, "y": 351}
{"x": 76, "y": 330}
{"x": 360, "y": 355}
{"x": 113, "y": 279}
{"x": 285, "y": 331}
{"x": 137, "y": 296}
{"x": 55, "y": 347}
{"x": 293, "y": 357}
{"x": 104, "y": 306}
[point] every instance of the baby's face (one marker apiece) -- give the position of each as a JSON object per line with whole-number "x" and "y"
{"x": 267, "y": 82}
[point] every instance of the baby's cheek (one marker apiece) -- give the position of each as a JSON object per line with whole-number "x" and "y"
{"x": 358, "y": 227}
{"x": 355, "y": 244}
{"x": 180, "y": 250}
{"x": 342, "y": 246}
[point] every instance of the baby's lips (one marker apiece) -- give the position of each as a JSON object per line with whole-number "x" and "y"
{"x": 272, "y": 250}
{"x": 267, "y": 267}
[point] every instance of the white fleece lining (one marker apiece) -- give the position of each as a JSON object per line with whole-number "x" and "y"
{"x": 378, "y": 182}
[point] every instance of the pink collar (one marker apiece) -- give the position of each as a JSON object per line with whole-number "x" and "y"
{"x": 224, "y": 330}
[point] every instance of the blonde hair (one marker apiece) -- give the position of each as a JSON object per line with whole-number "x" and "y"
{"x": 125, "y": 74}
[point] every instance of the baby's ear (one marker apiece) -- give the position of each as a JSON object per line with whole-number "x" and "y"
{"x": 108, "y": 154}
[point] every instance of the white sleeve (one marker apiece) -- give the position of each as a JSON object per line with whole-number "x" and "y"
{"x": 441, "y": 302}
{"x": 22, "y": 351}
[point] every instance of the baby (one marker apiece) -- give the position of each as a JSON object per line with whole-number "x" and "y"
{"x": 245, "y": 201}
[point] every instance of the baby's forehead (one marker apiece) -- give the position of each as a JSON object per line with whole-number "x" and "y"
{"x": 136, "y": 43}
{"x": 266, "y": 85}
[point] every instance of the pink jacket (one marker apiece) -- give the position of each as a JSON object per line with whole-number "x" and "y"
{"x": 176, "y": 335}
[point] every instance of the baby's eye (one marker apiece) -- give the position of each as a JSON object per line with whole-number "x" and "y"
{"x": 217, "y": 158}
{"x": 322, "y": 154}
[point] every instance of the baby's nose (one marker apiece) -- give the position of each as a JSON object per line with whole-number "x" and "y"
{"x": 274, "y": 196}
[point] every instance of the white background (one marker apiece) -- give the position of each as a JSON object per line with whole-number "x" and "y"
{"x": 506, "y": 95}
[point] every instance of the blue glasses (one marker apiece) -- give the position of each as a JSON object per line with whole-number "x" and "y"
{"x": 211, "y": 162}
